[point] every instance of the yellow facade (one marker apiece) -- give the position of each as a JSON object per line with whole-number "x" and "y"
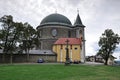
{"x": 74, "y": 52}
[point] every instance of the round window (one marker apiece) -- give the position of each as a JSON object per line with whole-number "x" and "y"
{"x": 54, "y": 32}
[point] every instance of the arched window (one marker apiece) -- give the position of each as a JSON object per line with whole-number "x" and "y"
{"x": 69, "y": 33}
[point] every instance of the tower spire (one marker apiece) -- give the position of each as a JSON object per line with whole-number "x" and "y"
{"x": 78, "y": 21}
{"x": 77, "y": 10}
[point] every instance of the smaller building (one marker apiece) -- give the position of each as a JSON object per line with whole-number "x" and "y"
{"x": 111, "y": 60}
{"x": 95, "y": 58}
{"x": 99, "y": 58}
{"x": 74, "y": 46}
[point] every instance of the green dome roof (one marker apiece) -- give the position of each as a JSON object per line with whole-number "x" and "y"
{"x": 55, "y": 19}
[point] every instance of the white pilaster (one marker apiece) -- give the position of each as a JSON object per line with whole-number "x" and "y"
{"x": 83, "y": 52}
{"x": 71, "y": 54}
{"x": 60, "y": 55}
{"x": 83, "y": 48}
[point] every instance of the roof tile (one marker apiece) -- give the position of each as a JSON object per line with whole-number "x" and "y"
{"x": 71, "y": 41}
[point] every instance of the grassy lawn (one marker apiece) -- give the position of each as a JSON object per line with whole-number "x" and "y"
{"x": 59, "y": 72}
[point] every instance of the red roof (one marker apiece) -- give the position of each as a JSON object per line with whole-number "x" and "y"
{"x": 71, "y": 41}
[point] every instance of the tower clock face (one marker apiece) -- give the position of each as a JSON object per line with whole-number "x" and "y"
{"x": 54, "y": 32}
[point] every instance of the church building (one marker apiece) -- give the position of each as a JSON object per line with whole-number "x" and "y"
{"x": 55, "y": 29}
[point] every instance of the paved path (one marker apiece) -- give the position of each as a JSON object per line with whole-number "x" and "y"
{"x": 93, "y": 63}
{"x": 86, "y": 63}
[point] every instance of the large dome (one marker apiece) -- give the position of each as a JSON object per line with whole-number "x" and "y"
{"x": 55, "y": 19}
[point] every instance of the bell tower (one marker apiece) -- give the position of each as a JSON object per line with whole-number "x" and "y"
{"x": 80, "y": 33}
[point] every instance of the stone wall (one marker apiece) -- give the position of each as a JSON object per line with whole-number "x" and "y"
{"x": 46, "y": 33}
{"x": 21, "y": 58}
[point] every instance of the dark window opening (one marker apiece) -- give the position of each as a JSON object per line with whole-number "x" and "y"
{"x": 69, "y": 34}
{"x": 75, "y": 48}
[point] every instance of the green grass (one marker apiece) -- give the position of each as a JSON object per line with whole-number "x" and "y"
{"x": 59, "y": 72}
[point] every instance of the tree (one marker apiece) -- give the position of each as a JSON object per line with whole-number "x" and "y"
{"x": 14, "y": 35}
{"x": 18, "y": 31}
{"x": 28, "y": 35}
{"x": 108, "y": 43}
{"x": 6, "y": 33}
{"x": 9, "y": 33}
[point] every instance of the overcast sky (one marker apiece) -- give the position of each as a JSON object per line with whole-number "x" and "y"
{"x": 96, "y": 15}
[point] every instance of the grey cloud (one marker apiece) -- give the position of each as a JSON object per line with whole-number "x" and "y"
{"x": 74, "y": 2}
{"x": 95, "y": 46}
{"x": 117, "y": 49}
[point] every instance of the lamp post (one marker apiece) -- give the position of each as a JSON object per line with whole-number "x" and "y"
{"x": 67, "y": 53}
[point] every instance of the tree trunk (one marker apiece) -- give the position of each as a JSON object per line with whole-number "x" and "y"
{"x": 28, "y": 56}
{"x": 106, "y": 61}
{"x": 3, "y": 58}
{"x": 11, "y": 58}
